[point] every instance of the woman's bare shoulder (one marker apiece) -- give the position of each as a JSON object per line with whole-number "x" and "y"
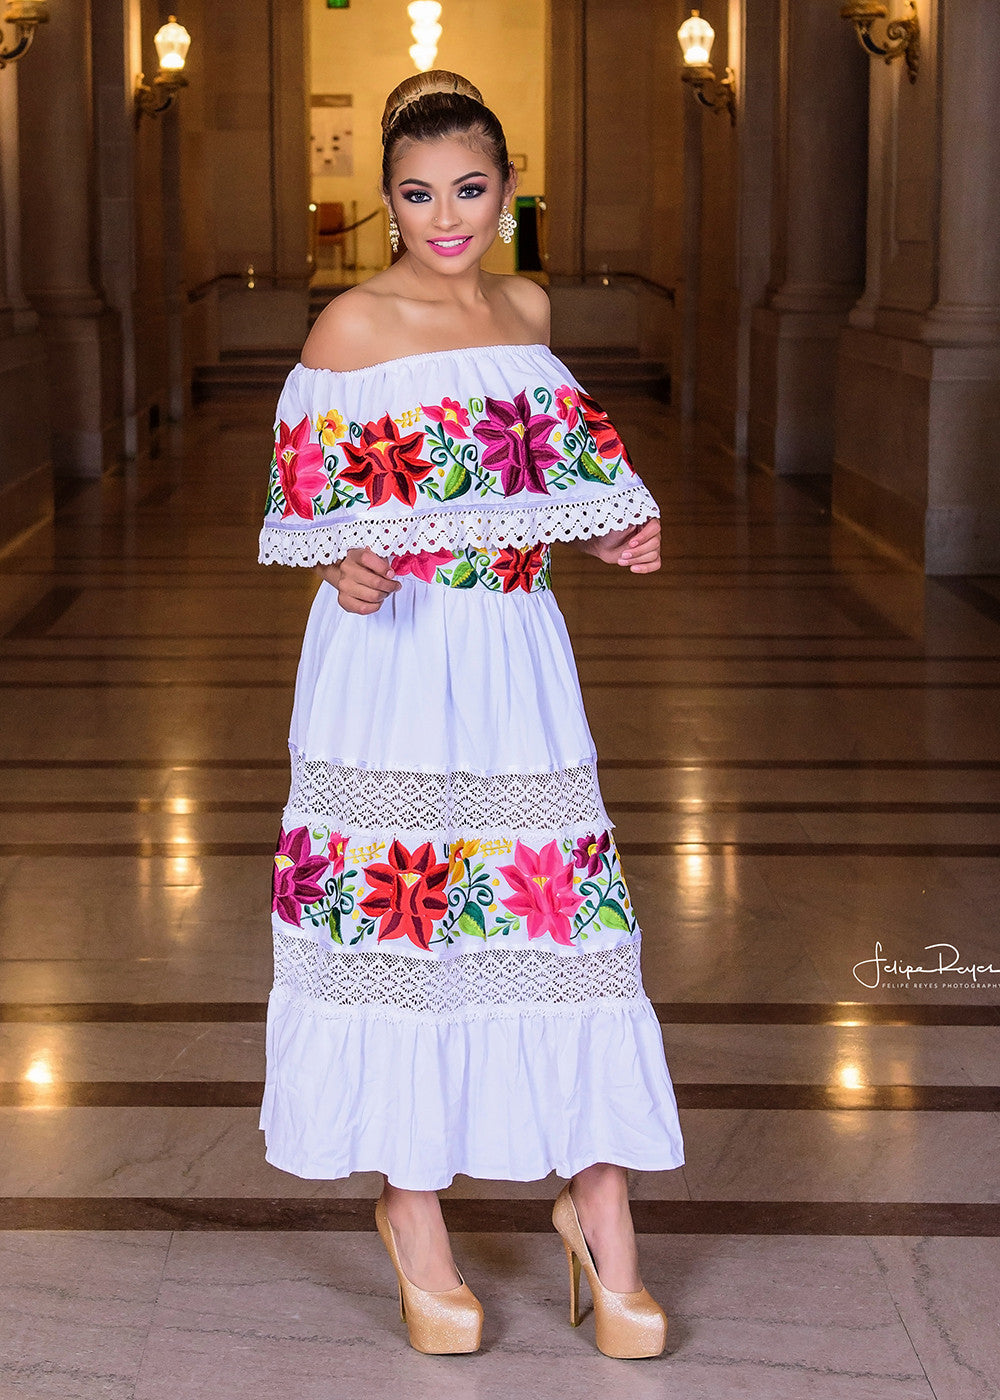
{"x": 349, "y": 331}
{"x": 527, "y": 302}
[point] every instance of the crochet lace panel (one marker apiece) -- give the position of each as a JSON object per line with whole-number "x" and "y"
{"x": 362, "y": 799}
{"x": 486, "y": 529}
{"x": 494, "y": 982}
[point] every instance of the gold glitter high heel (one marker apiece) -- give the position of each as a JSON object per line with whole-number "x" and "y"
{"x": 440, "y": 1324}
{"x": 626, "y": 1325}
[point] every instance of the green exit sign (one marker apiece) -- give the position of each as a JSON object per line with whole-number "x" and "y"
{"x": 338, "y": 4}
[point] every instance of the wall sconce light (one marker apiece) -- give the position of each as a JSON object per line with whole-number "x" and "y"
{"x": 25, "y": 16}
{"x": 696, "y": 37}
{"x": 902, "y": 35}
{"x": 172, "y": 43}
{"x": 426, "y": 31}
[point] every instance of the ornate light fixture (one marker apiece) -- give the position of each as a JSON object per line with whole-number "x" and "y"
{"x": 902, "y": 35}
{"x": 25, "y": 16}
{"x": 696, "y": 37}
{"x": 426, "y": 33}
{"x": 172, "y": 43}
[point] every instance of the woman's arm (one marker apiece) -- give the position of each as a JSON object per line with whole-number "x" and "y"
{"x": 637, "y": 549}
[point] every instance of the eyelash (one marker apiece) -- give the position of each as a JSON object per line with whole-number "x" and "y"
{"x": 421, "y": 196}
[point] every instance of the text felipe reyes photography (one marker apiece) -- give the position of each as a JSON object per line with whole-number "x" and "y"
{"x": 870, "y": 972}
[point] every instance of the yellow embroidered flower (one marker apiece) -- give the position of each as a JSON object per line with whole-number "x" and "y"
{"x": 331, "y": 427}
{"x": 457, "y": 857}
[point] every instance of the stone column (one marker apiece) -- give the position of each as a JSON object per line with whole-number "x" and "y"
{"x": 25, "y": 451}
{"x": 59, "y": 244}
{"x": 962, "y": 530}
{"x": 818, "y": 238}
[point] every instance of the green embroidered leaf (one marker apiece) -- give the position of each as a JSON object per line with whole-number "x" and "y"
{"x": 472, "y": 920}
{"x": 592, "y": 471}
{"x": 464, "y": 576}
{"x": 334, "y": 925}
{"x": 457, "y": 482}
{"x": 612, "y": 915}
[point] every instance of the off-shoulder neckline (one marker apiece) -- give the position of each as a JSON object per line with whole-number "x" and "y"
{"x": 424, "y": 355}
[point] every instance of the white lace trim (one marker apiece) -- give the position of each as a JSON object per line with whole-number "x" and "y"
{"x": 481, "y": 528}
{"x": 496, "y": 982}
{"x": 367, "y": 800}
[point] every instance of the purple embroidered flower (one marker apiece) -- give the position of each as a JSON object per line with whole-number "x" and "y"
{"x": 295, "y": 872}
{"x": 588, "y": 852}
{"x": 517, "y": 446}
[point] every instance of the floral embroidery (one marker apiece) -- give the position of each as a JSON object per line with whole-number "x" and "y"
{"x": 336, "y": 852}
{"x": 408, "y": 896}
{"x": 295, "y": 872}
{"x": 609, "y": 444}
{"x": 385, "y": 464}
{"x": 589, "y": 850}
{"x": 300, "y": 469}
{"x": 567, "y": 405}
{"x": 543, "y": 891}
{"x": 331, "y": 427}
{"x": 451, "y": 415}
{"x": 422, "y": 566}
{"x": 518, "y": 567}
{"x": 563, "y": 891}
{"x": 517, "y": 444}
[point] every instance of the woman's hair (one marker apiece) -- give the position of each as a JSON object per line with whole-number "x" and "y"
{"x": 438, "y": 104}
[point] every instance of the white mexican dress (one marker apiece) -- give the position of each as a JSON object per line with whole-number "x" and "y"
{"x": 457, "y": 984}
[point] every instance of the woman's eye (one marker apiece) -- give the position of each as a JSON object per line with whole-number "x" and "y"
{"x": 416, "y": 196}
{"x": 470, "y": 191}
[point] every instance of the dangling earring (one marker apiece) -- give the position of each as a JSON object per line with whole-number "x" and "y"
{"x": 393, "y": 232}
{"x": 508, "y": 224}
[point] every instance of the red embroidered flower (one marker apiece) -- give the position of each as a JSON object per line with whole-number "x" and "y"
{"x": 385, "y": 464}
{"x": 518, "y": 567}
{"x": 543, "y": 891}
{"x": 451, "y": 415}
{"x": 336, "y": 850}
{"x": 295, "y": 872}
{"x": 609, "y": 444}
{"x": 567, "y": 405}
{"x": 588, "y": 852}
{"x": 300, "y": 469}
{"x": 517, "y": 446}
{"x": 407, "y": 894}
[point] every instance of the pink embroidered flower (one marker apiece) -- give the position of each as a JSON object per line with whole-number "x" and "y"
{"x": 295, "y": 873}
{"x": 451, "y": 415}
{"x": 543, "y": 891}
{"x": 588, "y": 852}
{"x": 385, "y": 464}
{"x": 422, "y": 565}
{"x": 300, "y": 469}
{"x": 517, "y": 446}
{"x": 567, "y": 405}
{"x": 408, "y": 894}
{"x": 336, "y": 850}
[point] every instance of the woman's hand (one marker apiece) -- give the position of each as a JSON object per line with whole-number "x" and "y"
{"x": 637, "y": 550}
{"x": 362, "y": 579}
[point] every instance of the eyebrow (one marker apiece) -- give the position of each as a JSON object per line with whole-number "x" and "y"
{"x": 411, "y": 180}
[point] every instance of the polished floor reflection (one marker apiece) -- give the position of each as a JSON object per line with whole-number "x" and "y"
{"x": 799, "y": 746}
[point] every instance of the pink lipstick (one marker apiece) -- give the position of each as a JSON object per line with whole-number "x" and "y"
{"x": 450, "y": 247}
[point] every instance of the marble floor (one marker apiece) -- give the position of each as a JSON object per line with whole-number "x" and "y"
{"x": 799, "y": 744}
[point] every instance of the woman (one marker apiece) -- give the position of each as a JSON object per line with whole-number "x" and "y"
{"x": 457, "y": 984}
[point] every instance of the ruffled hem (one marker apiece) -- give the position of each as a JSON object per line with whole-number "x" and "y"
{"x": 481, "y": 528}
{"x": 509, "y": 1098}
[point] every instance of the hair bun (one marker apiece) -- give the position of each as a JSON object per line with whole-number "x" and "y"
{"x": 411, "y": 90}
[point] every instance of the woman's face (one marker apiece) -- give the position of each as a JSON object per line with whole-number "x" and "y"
{"x": 447, "y": 198}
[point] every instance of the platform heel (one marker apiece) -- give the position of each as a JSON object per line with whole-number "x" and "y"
{"x": 438, "y": 1324}
{"x": 626, "y": 1325}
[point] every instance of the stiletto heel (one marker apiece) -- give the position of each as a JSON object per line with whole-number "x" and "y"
{"x": 439, "y": 1324}
{"x": 574, "y": 1286}
{"x": 626, "y": 1325}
